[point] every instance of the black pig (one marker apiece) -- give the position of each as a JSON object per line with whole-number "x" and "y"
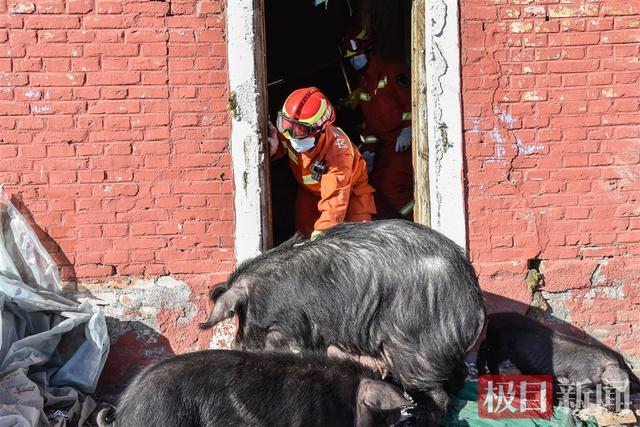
{"x": 537, "y": 349}
{"x": 232, "y": 388}
{"x": 398, "y": 292}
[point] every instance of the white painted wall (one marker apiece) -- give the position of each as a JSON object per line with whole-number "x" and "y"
{"x": 442, "y": 50}
{"x": 246, "y": 147}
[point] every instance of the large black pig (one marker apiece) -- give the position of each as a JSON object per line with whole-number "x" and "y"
{"x": 535, "y": 349}
{"x": 231, "y": 388}
{"x": 397, "y": 292}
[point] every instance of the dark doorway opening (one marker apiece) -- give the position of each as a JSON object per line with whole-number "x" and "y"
{"x": 302, "y": 49}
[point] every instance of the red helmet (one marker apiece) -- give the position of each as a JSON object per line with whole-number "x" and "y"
{"x": 355, "y": 41}
{"x": 305, "y": 113}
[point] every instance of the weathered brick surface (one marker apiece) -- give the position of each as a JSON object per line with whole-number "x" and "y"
{"x": 551, "y": 98}
{"x": 114, "y": 139}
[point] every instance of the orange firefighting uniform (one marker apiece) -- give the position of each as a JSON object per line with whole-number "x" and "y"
{"x": 343, "y": 192}
{"x": 385, "y": 100}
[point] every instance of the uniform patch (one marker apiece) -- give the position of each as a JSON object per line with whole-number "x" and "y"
{"x": 402, "y": 80}
{"x": 340, "y": 143}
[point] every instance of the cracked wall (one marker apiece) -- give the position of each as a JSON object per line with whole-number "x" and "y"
{"x": 444, "y": 119}
{"x": 151, "y": 319}
{"x": 551, "y": 103}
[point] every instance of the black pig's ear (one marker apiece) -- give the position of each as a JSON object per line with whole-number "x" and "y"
{"x": 226, "y": 306}
{"x": 376, "y": 397}
{"x": 380, "y": 396}
{"x": 217, "y": 290}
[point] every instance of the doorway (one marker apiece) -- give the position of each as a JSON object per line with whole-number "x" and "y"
{"x": 302, "y": 48}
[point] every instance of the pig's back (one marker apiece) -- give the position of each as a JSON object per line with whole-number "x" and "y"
{"x": 401, "y": 271}
{"x": 224, "y": 387}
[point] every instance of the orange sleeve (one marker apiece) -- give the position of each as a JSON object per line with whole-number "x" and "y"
{"x": 335, "y": 186}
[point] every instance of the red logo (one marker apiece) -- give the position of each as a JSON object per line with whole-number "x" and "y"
{"x": 515, "y": 396}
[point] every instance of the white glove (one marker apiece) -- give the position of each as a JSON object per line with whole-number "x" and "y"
{"x": 403, "y": 143}
{"x": 368, "y": 158}
{"x": 272, "y": 138}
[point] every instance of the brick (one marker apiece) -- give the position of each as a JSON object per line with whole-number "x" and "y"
{"x": 622, "y": 23}
{"x": 142, "y": 229}
{"x": 85, "y": 64}
{"x": 148, "y": 63}
{"x": 584, "y": 39}
{"x": 573, "y": 25}
{"x": 115, "y": 64}
{"x": 13, "y": 109}
{"x": 106, "y": 21}
{"x": 600, "y": 78}
{"x": 114, "y": 92}
{"x": 20, "y": 37}
{"x": 146, "y": 36}
{"x": 153, "y": 49}
{"x": 213, "y": 36}
{"x": 51, "y": 22}
{"x": 13, "y": 79}
{"x": 31, "y": 123}
{"x": 147, "y": 120}
{"x": 546, "y": 26}
{"x": 156, "y": 134}
{"x": 94, "y": 271}
{"x": 149, "y": 92}
{"x": 116, "y": 122}
{"x": 149, "y": 9}
{"x": 115, "y": 230}
{"x": 573, "y": 11}
{"x": 115, "y": 107}
{"x": 210, "y": 7}
{"x": 623, "y": 36}
{"x": 573, "y": 66}
{"x": 620, "y": 8}
{"x": 111, "y": 49}
{"x": 12, "y": 51}
{"x": 57, "y": 79}
{"x": 108, "y": 7}
{"x": 79, "y": 6}
{"x": 109, "y": 36}
{"x": 56, "y": 65}
{"x": 112, "y": 78}
{"x": 8, "y": 21}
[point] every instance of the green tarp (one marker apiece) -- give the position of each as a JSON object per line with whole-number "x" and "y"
{"x": 464, "y": 413}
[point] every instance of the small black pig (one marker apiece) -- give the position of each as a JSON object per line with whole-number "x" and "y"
{"x": 537, "y": 349}
{"x": 232, "y": 388}
{"x": 398, "y": 293}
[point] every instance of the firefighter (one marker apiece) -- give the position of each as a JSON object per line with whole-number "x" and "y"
{"x": 384, "y": 96}
{"x": 332, "y": 176}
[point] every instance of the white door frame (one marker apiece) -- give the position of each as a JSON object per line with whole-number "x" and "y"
{"x": 247, "y": 88}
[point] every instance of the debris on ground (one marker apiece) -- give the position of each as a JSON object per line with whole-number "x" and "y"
{"x": 52, "y": 349}
{"x": 606, "y": 418}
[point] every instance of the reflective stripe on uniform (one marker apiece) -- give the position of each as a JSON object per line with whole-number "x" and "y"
{"x": 404, "y": 211}
{"x": 308, "y": 180}
{"x": 292, "y": 156}
{"x": 382, "y": 82}
{"x": 290, "y": 152}
{"x": 365, "y": 96}
{"x": 371, "y": 140}
{"x": 406, "y": 116}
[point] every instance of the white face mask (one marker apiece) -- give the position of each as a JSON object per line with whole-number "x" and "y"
{"x": 303, "y": 145}
{"x": 358, "y": 62}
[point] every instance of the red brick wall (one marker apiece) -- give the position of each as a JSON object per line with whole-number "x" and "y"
{"x": 551, "y": 98}
{"x": 114, "y": 138}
